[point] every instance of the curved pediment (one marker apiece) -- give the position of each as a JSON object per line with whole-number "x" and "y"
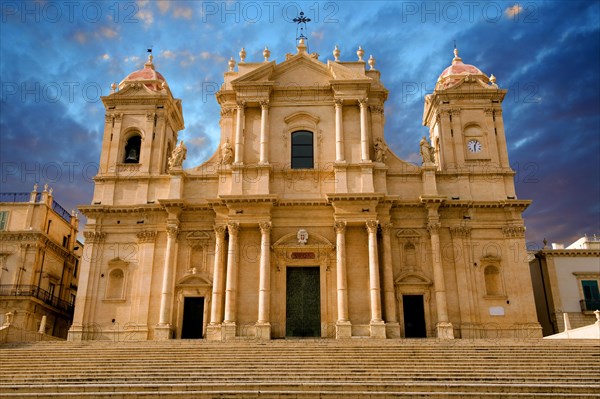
{"x": 412, "y": 278}
{"x": 291, "y": 241}
{"x": 197, "y": 279}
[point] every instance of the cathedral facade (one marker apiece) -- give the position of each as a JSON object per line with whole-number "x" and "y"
{"x": 304, "y": 223}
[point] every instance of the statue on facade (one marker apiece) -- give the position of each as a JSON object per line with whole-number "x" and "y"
{"x": 380, "y": 149}
{"x": 177, "y": 156}
{"x": 427, "y": 152}
{"x": 226, "y": 153}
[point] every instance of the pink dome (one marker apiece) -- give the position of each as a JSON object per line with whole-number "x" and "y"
{"x": 455, "y": 72}
{"x": 151, "y": 78}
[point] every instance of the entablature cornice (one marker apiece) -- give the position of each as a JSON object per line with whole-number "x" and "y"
{"x": 40, "y": 240}
{"x": 354, "y": 197}
{"x": 571, "y": 252}
{"x": 236, "y": 199}
{"x": 97, "y": 210}
{"x": 315, "y": 202}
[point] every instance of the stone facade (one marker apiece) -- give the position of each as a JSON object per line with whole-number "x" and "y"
{"x": 39, "y": 262}
{"x": 304, "y": 223}
{"x": 567, "y": 280}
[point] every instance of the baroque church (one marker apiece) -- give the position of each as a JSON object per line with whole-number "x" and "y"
{"x": 304, "y": 223}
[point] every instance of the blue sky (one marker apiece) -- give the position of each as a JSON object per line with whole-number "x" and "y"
{"x": 57, "y": 58}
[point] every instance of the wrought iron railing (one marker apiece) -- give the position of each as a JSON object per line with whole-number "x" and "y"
{"x": 14, "y": 197}
{"x": 62, "y": 212}
{"x": 36, "y": 292}
{"x": 589, "y": 305}
{"x": 24, "y": 197}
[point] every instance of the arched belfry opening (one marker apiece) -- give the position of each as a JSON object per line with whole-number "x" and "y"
{"x": 132, "y": 149}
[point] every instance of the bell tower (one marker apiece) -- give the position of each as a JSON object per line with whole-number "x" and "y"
{"x": 141, "y": 125}
{"x": 464, "y": 117}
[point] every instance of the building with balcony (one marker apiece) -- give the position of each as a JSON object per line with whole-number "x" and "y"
{"x": 39, "y": 262}
{"x": 566, "y": 280}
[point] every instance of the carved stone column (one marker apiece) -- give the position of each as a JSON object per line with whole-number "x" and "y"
{"x": 343, "y": 327}
{"x": 163, "y": 330}
{"x": 88, "y": 281}
{"x": 377, "y": 324}
{"x": 364, "y": 134}
{"x": 141, "y": 309}
{"x": 263, "y": 326}
{"x": 264, "y": 132}
{"x": 231, "y": 285}
{"x": 216, "y": 310}
{"x": 239, "y": 132}
{"x": 443, "y": 327}
{"x": 392, "y": 326}
{"x": 339, "y": 132}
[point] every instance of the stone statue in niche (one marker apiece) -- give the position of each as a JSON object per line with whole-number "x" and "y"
{"x": 177, "y": 156}
{"x": 226, "y": 153}
{"x": 380, "y": 149}
{"x": 427, "y": 152}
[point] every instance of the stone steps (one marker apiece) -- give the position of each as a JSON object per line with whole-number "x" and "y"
{"x": 301, "y": 369}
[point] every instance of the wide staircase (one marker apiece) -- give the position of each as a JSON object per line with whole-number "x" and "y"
{"x": 356, "y": 368}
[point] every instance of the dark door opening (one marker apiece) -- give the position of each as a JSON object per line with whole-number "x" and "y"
{"x": 193, "y": 317}
{"x": 303, "y": 302}
{"x": 414, "y": 316}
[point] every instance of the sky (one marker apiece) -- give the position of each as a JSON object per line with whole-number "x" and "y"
{"x": 57, "y": 59}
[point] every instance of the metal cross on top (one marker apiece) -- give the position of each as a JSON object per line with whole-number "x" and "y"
{"x": 301, "y": 21}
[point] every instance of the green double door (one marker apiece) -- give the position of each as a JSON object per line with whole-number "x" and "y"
{"x": 303, "y": 302}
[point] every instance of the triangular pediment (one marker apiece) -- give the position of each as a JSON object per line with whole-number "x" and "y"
{"x": 260, "y": 74}
{"x": 412, "y": 278}
{"x": 302, "y": 70}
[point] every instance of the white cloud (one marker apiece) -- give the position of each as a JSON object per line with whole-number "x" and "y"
{"x": 318, "y": 35}
{"x": 145, "y": 15}
{"x": 105, "y": 57}
{"x": 183, "y": 12}
{"x": 163, "y": 5}
{"x": 108, "y": 32}
{"x": 513, "y": 11}
{"x": 80, "y": 37}
{"x": 168, "y": 54}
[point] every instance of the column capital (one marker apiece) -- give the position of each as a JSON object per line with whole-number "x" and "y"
{"x": 363, "y": 102}
{"x": 233, "y": 228}
{"x": 460, "y": 231}
{"x": 220, "y": 230}
{"x": 227, "y": 112}
{"x": 387, "y": 227}
{"x": 240, "y": 104}
{"x": 339, "y": 226}
{"x": 433, "y": 227}
{"x": 265, "y": 227}
{"x": 376, "y": 109}
{"x": 372, "y": 225}
{"x": 172, "y": 230}
{"x": 338, "y": 102}
{"x": 264, "y": 104}
{"x": 94, "y": 237}
{"x": 146, "y": 236}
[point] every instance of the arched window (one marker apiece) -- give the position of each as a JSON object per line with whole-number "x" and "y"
{"x": 132, "y": 149}
{"x": 302, "y": 150}
{"x": 116, "y": 284}
{"x": 493, "y": 285}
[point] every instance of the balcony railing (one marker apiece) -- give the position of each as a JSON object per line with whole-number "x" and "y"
{"x": 589, "y": 305}
{"x": 36, "y": 292}
{"x": 62, "y": 212}
{"x": 14, "y": 197}
{"x": 24, "y": 197}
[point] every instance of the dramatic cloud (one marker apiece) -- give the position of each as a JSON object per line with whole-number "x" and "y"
{"x": 544, "y": 53}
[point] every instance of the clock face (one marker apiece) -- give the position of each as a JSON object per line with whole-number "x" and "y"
{"x": 474, "y": 146}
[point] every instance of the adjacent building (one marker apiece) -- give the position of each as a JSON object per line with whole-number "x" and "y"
{"x": 39, "y": 262}
{"x": 566, "y": 280}
{"x": 304, "y": 223}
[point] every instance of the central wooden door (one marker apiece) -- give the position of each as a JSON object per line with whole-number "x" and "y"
{"x": 303, "y": 302}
